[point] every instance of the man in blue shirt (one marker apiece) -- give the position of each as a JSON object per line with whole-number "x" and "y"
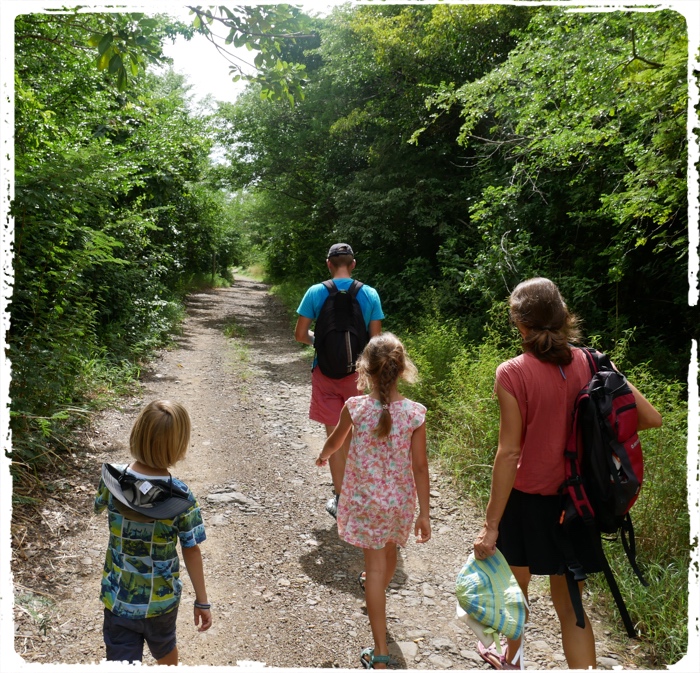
{"x": 328, "y": 395}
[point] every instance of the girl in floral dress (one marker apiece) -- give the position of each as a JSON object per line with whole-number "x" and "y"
{"x": 387, "y": 466}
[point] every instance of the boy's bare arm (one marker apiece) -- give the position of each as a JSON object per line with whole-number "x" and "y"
{"x": 195, "y": 569}
{"x": 302, "y": 333}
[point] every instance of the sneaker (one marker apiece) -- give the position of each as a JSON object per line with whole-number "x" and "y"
{"x": 332, "y": 506}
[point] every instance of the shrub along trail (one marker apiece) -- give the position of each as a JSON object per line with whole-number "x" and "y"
{"x": 283, "y": 586}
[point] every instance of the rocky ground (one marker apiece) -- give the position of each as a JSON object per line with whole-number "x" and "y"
{"x": 283, "y": 586}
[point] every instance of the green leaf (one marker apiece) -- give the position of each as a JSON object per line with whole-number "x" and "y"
{"x": 105, "y": 43}
{"x": 102, "y": 61}
{"x": 115, "y": 63}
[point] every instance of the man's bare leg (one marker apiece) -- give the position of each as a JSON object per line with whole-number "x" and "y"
{"x": 336, "y": 462}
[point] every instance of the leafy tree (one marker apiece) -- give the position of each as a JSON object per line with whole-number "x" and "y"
{"x": 339, "y": 162}
{"x": 579, "y": 142}
{"x": 113, "y": 215}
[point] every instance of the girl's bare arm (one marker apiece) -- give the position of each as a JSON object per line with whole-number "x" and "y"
{"x": 336, "y": 438}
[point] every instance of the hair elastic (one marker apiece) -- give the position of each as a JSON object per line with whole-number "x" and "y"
{"x": 385, "y": 407}
{"x": 202, "y": 606}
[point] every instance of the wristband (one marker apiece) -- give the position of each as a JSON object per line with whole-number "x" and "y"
{"x": 202, "y": 606}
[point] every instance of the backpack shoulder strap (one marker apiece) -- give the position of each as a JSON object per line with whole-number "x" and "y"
{"x": 330, "y": 286}
{"x": 354, "y": 288}
{"x": 596, "y": 360}
{"x": 590, "y": 358}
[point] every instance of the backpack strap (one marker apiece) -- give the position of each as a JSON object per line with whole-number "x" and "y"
{"x": 354, "y": 288}
{"x": 590, "y": 358}
{"x": 630, "y": 547}
{"x": 330, "y": 286}
{"x": 594, "y": 534}
{"x": 574, "y": 573}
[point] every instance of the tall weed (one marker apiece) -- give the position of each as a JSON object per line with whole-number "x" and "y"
{"x": 290, "y": 293}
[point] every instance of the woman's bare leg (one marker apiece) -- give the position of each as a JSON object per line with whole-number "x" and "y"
{"x": 578, "y": 643}
{"x": 522, "y": 576}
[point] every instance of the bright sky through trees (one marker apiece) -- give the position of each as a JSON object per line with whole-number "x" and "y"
{"x": 207, "y": 71}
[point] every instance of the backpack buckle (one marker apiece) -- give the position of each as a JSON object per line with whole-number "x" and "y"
{"x": 576, "y": 570}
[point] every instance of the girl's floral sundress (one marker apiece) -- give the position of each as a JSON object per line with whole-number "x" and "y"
{"x": 379, "y": 494}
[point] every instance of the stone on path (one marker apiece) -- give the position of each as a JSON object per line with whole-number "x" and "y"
{"x": 436, "y": 661}
{"x": 405, "y": 650}
{"x": 232, "y": 496}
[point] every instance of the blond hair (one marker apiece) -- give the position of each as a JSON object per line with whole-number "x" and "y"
{"x": 161, "y": 434}
{"x": 382, "y": 363}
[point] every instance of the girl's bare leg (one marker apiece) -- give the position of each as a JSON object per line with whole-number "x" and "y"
{"x": 391, "y": 560}
{"x": 380, "y": 565}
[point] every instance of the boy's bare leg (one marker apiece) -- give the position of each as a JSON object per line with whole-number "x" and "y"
{"x": 336, "y": 462}
{"x": 169, "y": 659}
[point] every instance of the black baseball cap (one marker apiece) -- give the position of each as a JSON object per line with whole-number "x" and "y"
{"x": 340, "y": 249}
{"x": 157, "y": 498}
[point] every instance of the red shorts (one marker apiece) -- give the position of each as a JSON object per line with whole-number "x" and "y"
{"x": 328, "y": 396}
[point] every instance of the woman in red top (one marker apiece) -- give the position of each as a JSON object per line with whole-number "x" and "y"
{"x": 536, "y": 393}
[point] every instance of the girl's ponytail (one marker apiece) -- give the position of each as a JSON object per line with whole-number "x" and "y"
{"x": 388, "y": 374}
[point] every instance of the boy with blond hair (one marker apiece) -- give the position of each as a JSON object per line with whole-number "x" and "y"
{"x": 148, "y": 512}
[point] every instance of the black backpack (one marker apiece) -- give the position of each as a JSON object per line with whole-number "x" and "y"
{"x": 340, "y": 333}
{"x": 604, "y": 472}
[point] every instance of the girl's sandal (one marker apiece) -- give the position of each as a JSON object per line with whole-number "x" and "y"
{"x": 368, "y": 658}
{"x": 361, "y": 580}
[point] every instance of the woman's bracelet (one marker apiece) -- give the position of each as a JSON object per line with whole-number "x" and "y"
{"x": 202, "y": 606}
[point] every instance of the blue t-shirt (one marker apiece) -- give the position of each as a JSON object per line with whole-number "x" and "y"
{"x": 367, "y": 298}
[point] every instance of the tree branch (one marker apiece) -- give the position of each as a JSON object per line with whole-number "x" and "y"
{"x": 227, "y": 22}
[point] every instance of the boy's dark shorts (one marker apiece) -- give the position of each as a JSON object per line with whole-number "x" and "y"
{"x": 528, "y": 535}
{"x": 124, "y": 637}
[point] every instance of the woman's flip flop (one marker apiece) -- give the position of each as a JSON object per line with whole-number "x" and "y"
{"x": 497, "y": 661}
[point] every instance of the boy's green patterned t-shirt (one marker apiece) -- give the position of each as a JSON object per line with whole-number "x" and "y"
{"x": 141, "y": 576}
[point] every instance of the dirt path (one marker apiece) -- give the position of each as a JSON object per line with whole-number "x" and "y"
{"x": 282, "y": 584}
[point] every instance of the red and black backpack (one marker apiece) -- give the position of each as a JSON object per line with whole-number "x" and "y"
{"x": 604, "y": 472}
